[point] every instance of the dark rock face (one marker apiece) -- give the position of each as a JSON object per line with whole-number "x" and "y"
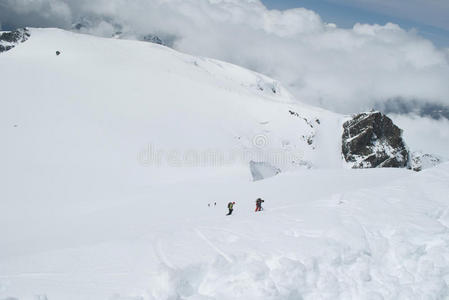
{"x": 5, "y": 48}
{"x": 153, "y": 39}
{"x": 78, "y": 26}
{"x": 16, "y": 36}
{"x": 9, "y": 40}
{"x": 371, "y": 140}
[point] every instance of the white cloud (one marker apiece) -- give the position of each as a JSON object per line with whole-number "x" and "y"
{"x": 424, "y": 134}
{"x": 342, "y": 69}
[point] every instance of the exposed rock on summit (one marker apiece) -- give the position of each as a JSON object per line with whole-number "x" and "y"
{"x": 421, "y": 161}
{"x": 371, "y": 140}
{"x": 10, "y": 39}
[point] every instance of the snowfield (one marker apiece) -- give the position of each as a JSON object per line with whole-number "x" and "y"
{"x": 115, "y": 152}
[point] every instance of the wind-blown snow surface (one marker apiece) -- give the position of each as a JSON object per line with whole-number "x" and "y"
{"x": 88, "y": 211}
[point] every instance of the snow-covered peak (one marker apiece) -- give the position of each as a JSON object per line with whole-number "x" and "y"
{"x": 99, "y": 93}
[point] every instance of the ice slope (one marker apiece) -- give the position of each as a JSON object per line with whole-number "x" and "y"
{"x": 106, "y": 176}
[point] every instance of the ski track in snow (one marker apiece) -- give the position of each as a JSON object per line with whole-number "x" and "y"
{"x": 215, "y": 248}
{"x": 161, "y": 255}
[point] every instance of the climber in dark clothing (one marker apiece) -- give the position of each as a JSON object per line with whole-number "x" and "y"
{"x": 259, "y": 202}
{"x": 230, "y": 207}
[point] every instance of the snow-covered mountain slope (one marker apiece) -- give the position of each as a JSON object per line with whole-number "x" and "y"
{"x": 324, "y": 234}
{"x": 108, "y": 99}
{"x": 113, "y": 150}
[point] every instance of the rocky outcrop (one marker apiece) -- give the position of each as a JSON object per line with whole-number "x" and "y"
{"x": 421, "y": 161}
{"x": 9, "y": 40}
{"x": 309, "y": 138}
{"x": 153, "y": 39}
{"x": 371, "y": 140}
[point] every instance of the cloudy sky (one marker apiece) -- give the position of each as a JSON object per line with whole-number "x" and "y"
{"x": 345, "y": 67}
{"x": 343, "y": 55}
{"x": 429, "y": 17}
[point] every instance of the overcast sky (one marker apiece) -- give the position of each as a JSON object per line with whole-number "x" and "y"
{"x": 356, "y": 65}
